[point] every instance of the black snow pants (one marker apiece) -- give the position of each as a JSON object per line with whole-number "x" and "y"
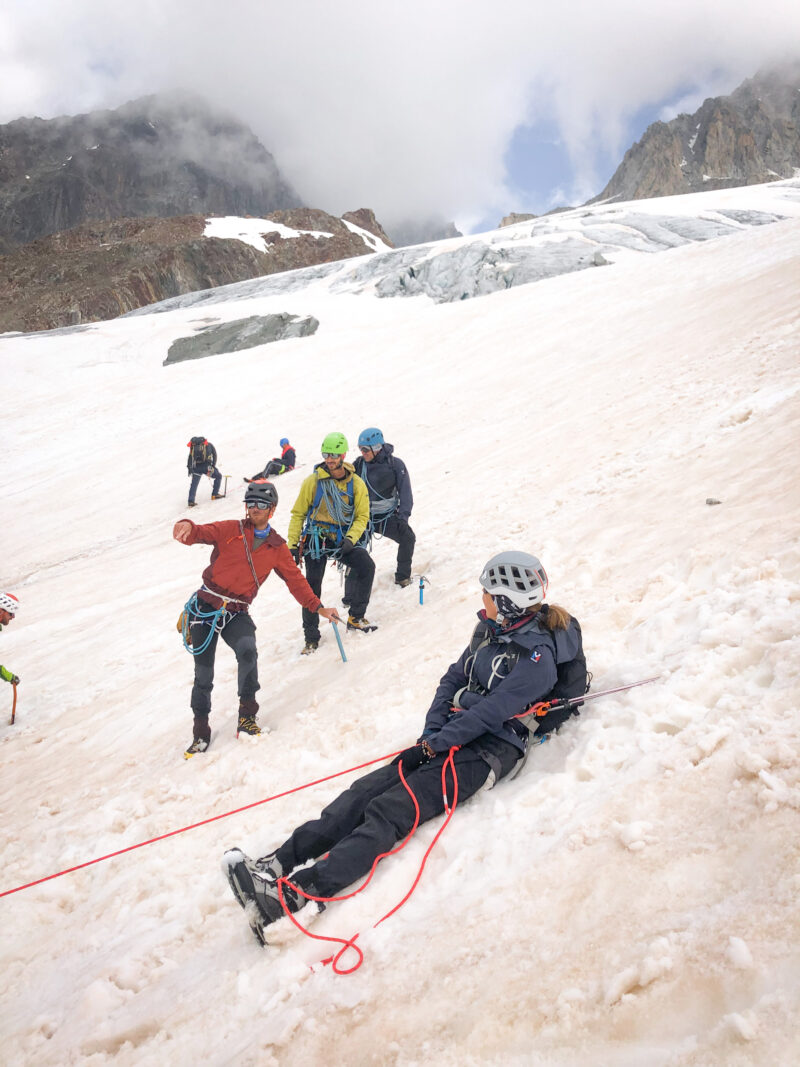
{"x": 359, "y": 582}
{"x": 376, "y": 812}
{"x": 240, "y": 634}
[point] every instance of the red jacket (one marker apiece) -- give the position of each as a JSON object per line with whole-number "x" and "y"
{"x": 229, "y": 574}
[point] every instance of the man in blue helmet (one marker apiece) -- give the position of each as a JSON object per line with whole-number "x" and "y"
{"x": 390, "y": 497}
{"x": 287, "y": 462}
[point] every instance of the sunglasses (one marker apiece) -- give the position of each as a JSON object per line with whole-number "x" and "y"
{"x": 364, "y": 449}
{"x": 262, "y": 505}
{"x": 332, "y": 455}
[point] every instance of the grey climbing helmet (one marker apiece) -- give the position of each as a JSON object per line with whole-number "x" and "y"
{"x": 261, "y": 492}
{"x": 515, "y": 581}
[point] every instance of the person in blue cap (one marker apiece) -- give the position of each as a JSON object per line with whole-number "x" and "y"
{"x": 390, "y": 497}
{"x": 287, "y": 462}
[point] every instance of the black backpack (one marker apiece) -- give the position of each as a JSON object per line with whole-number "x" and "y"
{"x": 198, "y": 446}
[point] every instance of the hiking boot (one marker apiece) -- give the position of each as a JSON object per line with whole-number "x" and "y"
{"x": 310, "y": 646}
{"x": 191, "y": 504}
{"x": 258, "y": 895}
{"x": 198, "y": 745}
{"x": 402, "y": 582}
{"x": 248, "y": 725}
{"x": 355, "y": 622}
{"x": 269, "y": 867}
{"x": 216, "y": 496}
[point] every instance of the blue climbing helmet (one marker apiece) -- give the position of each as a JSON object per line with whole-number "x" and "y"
{"x": 283, "y": 442}
{"x": 370, "y": 438}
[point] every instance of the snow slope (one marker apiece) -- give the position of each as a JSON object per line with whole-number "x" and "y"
{"x": 629, "y": 899}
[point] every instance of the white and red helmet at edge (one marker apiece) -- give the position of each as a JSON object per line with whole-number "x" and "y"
{"x": 9, "y": 603}
{"x": 516, "y": 581}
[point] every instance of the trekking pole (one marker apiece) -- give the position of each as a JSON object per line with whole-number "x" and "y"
{"x": 541, "y": 709}
{"x": 339, "y": 642}
{"x": 14, "y": 704}
{"x": 226, "y": 477}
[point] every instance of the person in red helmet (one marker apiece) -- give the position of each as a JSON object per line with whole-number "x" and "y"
{"x": 8, "y": 609}
{"x": 245, "y": 552}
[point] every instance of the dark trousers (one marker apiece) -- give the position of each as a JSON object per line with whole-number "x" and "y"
{"x": 196, "y": 481}
{"x": 375, "y": 813}
{"x": 239, "y": 633}
{"x": 362, "y": 571}
{"x": 396, "y": 529}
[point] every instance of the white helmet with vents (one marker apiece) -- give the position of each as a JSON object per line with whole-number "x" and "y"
{"x": 516, "y": 581}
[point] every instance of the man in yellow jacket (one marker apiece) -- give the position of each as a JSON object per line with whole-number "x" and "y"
{"x": 329, "y": 517}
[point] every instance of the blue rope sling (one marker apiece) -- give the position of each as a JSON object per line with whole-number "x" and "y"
{"x": 192, "y": 612}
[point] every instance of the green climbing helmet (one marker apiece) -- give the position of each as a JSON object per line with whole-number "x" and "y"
{"x": 335, "y": 443}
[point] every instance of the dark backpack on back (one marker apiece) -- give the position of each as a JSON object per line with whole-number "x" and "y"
{"x": 198, "y": 445}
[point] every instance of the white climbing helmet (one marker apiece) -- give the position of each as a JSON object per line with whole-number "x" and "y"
{"x": 516, "y": 581}
{"x": 9, "y": 603}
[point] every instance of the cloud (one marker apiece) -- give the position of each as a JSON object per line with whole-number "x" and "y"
{"x": 408, "y": 109}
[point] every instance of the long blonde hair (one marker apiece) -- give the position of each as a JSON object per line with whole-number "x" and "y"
{"x": 553, "y": 617}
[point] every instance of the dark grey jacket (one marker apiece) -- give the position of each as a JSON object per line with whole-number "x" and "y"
{"x": 386, "y": 476}
{"x": 503, "y": 671}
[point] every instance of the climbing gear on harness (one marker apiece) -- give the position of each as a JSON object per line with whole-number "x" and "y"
{"x": 370, "y": 439}
{"x": 341, "y": 511}
{"x": 215, "y": 618}
{"x": 515, "y": 581}
{"x": 335, "y": 444}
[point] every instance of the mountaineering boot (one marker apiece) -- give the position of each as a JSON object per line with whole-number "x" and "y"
{"x": 247, "y": 725}
{"x": 216, "y": 496}
{"x": 201, "y": 737}
{"x": 248, "y": 709}
{"x": 191, "y": 504}
{"x": 402, "y": 582}
{"x": 269, "y": 867}
{"x": 362, "y": 624}
{"x": 258, "y": 895}
{"x": 310, "y": 646}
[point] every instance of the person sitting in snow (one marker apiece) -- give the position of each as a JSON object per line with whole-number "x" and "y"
{"x": 245, "y": 553}
{"x": 8, "y": 609}
{"x": 278, "y": 466}
{"x": 522, "y": 652}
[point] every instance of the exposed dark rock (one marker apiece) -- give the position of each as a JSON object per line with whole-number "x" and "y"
{"x": 749, "y": 137}
{"x": 101, "y": 270}
{"x": 239, "y": 335}
{"x": 513, "y": 218}
{"x": 157, "y": 156}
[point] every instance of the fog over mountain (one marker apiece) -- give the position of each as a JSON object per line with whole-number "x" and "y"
{"x": 409, "y": 111}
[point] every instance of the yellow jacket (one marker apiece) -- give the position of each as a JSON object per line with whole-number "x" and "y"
{"x": 321, "y": 514}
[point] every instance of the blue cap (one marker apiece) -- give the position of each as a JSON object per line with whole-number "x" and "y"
{"x": 370, "y": 438}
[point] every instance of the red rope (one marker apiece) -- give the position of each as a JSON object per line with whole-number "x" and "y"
{"x": 204, "y": 822}
{"x": 350, "y": 943}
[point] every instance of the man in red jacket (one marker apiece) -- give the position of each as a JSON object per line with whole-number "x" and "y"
{"x": 245, "y": 552}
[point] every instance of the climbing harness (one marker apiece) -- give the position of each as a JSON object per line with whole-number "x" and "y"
{"x": 341, "y": 511}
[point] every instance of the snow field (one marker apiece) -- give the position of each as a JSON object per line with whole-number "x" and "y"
{"x": 630, "y": 898}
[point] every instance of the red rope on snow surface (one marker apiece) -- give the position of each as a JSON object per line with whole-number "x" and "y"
{"x": 204, "y": 822}
{"x": 350, "y": 943}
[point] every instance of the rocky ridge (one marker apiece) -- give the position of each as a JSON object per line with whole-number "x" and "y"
{"x": 747, "y": 138}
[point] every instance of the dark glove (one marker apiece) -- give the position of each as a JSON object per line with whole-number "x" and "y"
{"x": 15, "y": 679}
{"x": 346, "y": 547}
{"x": 296, "y": 554}
{"x": 414, "y": 757}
